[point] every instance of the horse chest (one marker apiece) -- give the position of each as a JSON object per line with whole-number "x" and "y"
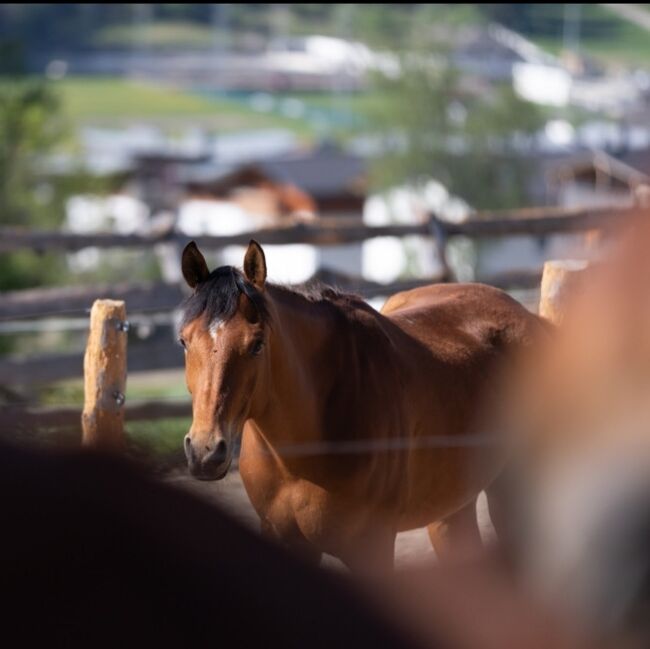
{"x": 294, "y": 510}
{"x": 297, "y": 510}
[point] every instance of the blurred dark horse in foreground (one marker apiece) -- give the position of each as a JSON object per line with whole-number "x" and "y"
{"x": 93, "y": 553}
{"x": 356, "y": 424}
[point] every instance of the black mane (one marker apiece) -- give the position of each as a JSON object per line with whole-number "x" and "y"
{"x": 217, "y": 297}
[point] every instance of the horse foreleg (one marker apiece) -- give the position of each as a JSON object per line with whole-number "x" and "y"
{"x": 456, "y": 535}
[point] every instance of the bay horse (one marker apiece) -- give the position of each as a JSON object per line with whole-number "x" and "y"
{"x": 353, "y": 422}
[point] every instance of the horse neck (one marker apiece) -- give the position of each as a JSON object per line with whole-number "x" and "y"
{"x": 303, "y": 369}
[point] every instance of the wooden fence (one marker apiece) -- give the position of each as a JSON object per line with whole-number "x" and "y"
{"x": 331, "y": 232}
{"x": 160, "y": 297}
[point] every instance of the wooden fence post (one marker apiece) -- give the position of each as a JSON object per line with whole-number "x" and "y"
{"x": 440, "y": 239}
{"x": 642, "y": 196}
{"x": 102, "y": 420}
{"x": 558, "y": 280}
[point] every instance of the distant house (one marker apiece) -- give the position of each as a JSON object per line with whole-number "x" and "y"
{"x": 156, "y": 177}
{"x": 304, "y": 63}
{"x": 493, "y": 52}
{"x": 334, "y": 179}
{"x": 324, "y": 182}
{"x": 584, "y": 179}
{"x": 257, "y": 192}
{"x": 598, "y": 178}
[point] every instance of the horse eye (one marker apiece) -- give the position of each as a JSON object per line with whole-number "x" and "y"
{"x": 181, "y": 342}
{"x": 257, "y": 347}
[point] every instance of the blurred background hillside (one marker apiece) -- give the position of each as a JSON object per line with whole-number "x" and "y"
{"x": 223, "y": 119}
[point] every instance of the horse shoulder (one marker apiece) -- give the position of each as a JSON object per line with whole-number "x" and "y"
{"x": 435, "y": 294}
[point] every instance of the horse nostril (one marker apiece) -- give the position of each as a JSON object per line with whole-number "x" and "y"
{"x": 214, "y": 460}
{"x": 187, "y": 447}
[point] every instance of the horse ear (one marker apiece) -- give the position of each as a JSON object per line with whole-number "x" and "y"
{"x": 195, "y": 270}
{"x": 255, "y": 265}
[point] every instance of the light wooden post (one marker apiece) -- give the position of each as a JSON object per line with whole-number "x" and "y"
{"x": 105, "y": 377}
{"x": 642, "y": 196}
{"x": 558, "y": 279}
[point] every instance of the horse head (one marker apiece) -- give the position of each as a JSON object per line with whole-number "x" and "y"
{"x": 223, "y": 331}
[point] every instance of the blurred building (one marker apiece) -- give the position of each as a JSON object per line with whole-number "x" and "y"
{"x": 305, "y": 63}
{"x": 597, "y": 178}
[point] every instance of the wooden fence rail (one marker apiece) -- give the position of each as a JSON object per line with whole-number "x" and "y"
{"x": 158, "y": 297}
{"x": 47, "y": 368}
{"x": 16, "y": 418}
{"x": 332, "y": 232}
{"x": 161, "y": 353}
{"x": 325, "y": 232}
{"x": 77, "y": 300}
{"x": 162, "y": 298}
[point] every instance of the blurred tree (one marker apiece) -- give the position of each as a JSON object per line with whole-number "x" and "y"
{"x": 31, "y": 195}
{"x": 434, "y": 124}
{"x": 30, "y": 126}
{"x": 548, "y": 19}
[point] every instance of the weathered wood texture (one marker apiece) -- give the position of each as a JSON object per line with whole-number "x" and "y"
{"x": 559, "y": 280}
{"x": 325, "y": 232}
{"x": 159, "y": 354}
{"x": 77, "y": 300}
{"x": 332, "y": 232}
{"x": 102, "y": 419}
{"x": 158, "y": 296}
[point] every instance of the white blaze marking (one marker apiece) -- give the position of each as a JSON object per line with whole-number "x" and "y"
{"x": 215, "y": 328}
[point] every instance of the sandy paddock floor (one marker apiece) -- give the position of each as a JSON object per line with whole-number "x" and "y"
{"x": 412, "y": 547}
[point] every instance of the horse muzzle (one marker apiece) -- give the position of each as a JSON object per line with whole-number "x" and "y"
{"x": 212, "y": 464}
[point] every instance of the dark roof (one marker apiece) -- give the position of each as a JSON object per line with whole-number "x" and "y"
{"x": 638, "y": 159}
{"x": 630, "y": 167}
{"x": 168, "y": 157}
{"x": 323, "y": 172}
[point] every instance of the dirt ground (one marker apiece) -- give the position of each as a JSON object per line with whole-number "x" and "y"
{"x": 412, "y": 547}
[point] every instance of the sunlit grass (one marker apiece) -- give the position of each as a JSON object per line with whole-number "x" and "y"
{"x": 620, "y": 41}
{"x": 160, "y": 440}
{"x": 158, "y": 34}
{"x": 114, "y": 101}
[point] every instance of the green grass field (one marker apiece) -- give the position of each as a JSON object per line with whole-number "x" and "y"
{"x": 119, "y": 102}
{"x": 157, "y": 34}
{"x": 619, "y": 41}
{"x": 159, "y": 441}
{"x": 112, "y": 101}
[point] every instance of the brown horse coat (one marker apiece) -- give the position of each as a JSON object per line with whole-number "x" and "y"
{"x": 355, "y": 422}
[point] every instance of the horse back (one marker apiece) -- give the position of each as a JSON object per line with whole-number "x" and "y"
{"x": 470, "y": 315}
